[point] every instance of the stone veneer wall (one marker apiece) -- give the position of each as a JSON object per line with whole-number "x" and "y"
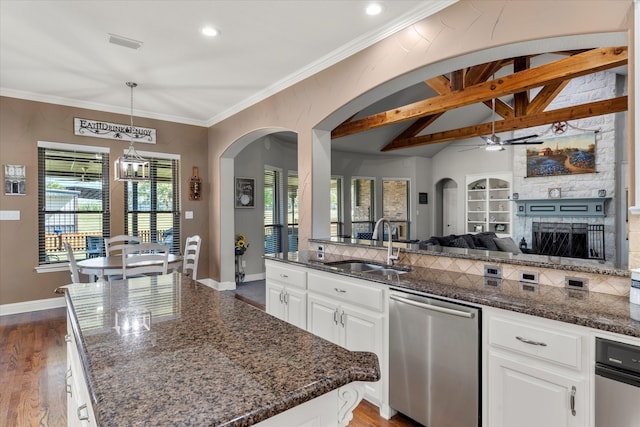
{"x": 603, "y": 283}
{"x": 592, "y": 87}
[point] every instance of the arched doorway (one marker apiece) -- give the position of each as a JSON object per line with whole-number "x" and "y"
{"x": 446, "y": 207}
{"x": 246, "y": 158}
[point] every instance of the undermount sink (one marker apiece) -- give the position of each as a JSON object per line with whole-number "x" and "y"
{"x": 369, "y": 267}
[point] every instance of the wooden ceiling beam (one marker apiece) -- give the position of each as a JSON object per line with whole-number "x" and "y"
{"x": 545, "y": 96}
{"x": 503, "y": 109}
{"x": 597, "y": 108}
{"x": 481, "y": 73}
{"x": 418, "y": 126}
{"x": 564, "y": 69}
{"x": 440, "y": 84}
{"x": 521, "y": 99}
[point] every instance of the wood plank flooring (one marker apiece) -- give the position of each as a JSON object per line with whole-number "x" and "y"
{"x": 33, "y": 366}
{"x": 33, "y": 361}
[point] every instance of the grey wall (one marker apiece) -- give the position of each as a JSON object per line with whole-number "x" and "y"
{"x": 250, "y": 163}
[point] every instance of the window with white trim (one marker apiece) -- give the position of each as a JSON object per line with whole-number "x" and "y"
{"x": 73, "y": 200}
{"x": 152, "y": 209}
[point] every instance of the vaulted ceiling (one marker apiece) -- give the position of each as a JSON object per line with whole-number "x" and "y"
{"x": 477, "y": 85}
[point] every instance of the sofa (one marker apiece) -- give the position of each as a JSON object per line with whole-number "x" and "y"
{"x": 487, "y": 241}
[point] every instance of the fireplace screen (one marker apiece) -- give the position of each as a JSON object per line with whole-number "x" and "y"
{"x": 573, "y": 240}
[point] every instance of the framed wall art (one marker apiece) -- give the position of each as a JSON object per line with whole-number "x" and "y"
{"x": 564, "y": 155}
{"x": 15, "y": 180}
{"x": 245, "y": 192}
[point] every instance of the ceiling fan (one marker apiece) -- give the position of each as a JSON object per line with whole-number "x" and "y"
{"x": 494, "y": 143}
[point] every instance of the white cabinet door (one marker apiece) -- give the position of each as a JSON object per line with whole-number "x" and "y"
{"x": 363, "y": 331}
{"x": 296, "y": 307}
{"x": 323, "y": 318}
{"x": 522, "y": 395}
{"x": 275, "y": 303}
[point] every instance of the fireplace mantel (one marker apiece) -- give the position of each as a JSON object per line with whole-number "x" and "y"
{"x": 594, "y": 207}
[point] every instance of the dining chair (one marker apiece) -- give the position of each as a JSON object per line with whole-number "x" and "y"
{"x": 144, "y": 259}
{"x": 116, "y": 244}
{"x": 191, "y": 256}
{"x": 73, "y": 266}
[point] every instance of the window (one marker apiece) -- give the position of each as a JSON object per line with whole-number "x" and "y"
{"x": 395, "y": 206}
{"x": 292, "y": 212}
{"x": 362, "y": 205}
{"x": 152, "y": 208}
{"x": 337, "y": 224}
{"x": 272, "y": 211}
{"x": 73, "y": 200}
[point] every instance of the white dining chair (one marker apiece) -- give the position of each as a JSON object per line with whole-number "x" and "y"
{"x": 73, "y": 266}
{"x": 144, "y": 259}
{"x": 114, "y": 245}
{"x": 191, "y": 256}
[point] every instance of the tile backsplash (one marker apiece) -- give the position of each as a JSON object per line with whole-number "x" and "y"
{"x": 603, "y": 283}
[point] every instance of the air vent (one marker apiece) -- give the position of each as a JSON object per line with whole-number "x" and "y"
{"x": 124, "y": 41}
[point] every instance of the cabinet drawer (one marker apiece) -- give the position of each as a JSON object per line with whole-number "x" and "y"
{"x": 352, "y": 291}
{"x": 287, "y": 275}
{"x": 537, "y": 341}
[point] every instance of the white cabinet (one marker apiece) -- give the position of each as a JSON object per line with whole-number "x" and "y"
{"x": 489, "y": 204}
{"x": 538, "y": 372}
{"x": 79, "y": 406}
{"x": 286, "y": 295}
{"x": 351, "y": 313}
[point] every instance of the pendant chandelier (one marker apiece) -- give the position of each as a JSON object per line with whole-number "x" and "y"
{"x": 131, "y": 166}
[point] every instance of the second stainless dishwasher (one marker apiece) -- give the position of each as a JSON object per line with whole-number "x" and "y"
{"x": 434, "y": 360}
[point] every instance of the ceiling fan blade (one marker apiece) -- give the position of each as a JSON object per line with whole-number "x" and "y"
{"x": 471, "y": 148}
{"x": 524, "y": 143}
{"x": 521, "y": 138}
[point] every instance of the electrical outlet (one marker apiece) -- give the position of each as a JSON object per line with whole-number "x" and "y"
{"x": 576, "y": 283}
{"x": 493, "y": 271}
{"x": 244, "y": 263}
{"x": 529, "y": 276}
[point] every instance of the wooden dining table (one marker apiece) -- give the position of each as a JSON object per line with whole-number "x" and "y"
{"x": 99, "y": 268}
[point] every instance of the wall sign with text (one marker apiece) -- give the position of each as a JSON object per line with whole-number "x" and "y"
{"x": 105, "y": 130}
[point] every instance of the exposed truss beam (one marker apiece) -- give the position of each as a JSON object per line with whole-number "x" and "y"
{"x": 545, "y": 75}
{"x": 598, "y": 108}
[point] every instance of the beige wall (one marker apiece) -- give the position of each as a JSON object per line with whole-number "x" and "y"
{"x": 22, "y": 125}
{"x": 466, "y": 33}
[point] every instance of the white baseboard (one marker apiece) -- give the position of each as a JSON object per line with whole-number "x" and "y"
{"x": 229, "y": 286}
{"x": 219, "y": 286}
{"x": 29, "y": 306}
{"x": 252, "y": 277}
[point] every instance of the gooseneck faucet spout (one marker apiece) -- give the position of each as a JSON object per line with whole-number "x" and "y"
{"x": 390, "y": 256}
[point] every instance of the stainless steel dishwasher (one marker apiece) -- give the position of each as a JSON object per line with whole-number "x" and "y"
{"x": 617, "y": 384}
{"x": 434, "y": 360}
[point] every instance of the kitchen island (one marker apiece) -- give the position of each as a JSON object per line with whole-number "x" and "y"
{"x": 170, "y": 351}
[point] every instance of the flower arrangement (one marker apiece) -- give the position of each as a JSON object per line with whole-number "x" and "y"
{"x": 241, "y": 244}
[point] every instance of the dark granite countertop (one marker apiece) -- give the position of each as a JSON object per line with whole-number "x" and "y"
{"x": 207, "y": 358}
{"x": 591, "y": 309}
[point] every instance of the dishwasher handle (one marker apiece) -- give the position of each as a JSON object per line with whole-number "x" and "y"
{"x": 618, "y": 375}
{"x": 432, "y": 307}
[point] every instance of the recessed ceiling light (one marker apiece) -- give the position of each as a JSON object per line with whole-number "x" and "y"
{"x": 374, "y": 9}
{"x": 210, "y": 31}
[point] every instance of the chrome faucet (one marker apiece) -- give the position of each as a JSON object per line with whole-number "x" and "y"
{"x": 390, "y": 256}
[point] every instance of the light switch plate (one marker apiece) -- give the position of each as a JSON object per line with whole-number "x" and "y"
{"x": 188, "y": 214}
{"x": 9, "y": 215}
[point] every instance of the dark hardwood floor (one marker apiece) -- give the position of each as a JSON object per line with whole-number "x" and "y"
{"x": 32, "y": 374}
